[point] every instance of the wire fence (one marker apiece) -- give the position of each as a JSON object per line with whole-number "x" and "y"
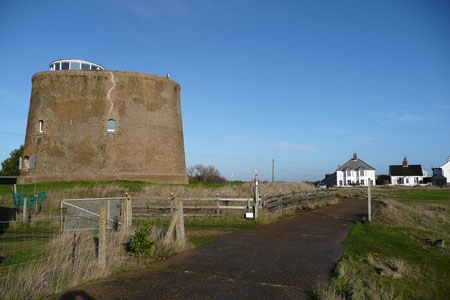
{"x": 26, "y": 241}
{"x": 29, "y": 240}
{"x": 83, "y": 214}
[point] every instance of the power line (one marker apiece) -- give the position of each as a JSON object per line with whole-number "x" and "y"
{"x": 312, "y": 170}
{"x": 295, "y": 173}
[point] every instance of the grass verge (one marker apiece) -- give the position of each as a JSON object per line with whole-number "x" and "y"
{"x": 396, "y": 256}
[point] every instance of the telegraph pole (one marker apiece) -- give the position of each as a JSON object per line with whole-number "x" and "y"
{"x": 273, "y": 168}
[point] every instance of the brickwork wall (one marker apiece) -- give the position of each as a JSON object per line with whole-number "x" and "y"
{"x": 75, "y": 106}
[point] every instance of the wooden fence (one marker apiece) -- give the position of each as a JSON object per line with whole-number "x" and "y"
{"x": 193, "y": 207}
{"x": 278, "y": 203}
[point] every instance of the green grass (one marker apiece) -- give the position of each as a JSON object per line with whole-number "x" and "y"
{"x": 22, "y": 251}
{"x": 425, "y": 268}
{"x": 25, "y": 242}
{"x": 430, "y": 275}
{"x": 196, "y": 241}
{"x": 224, "y": 223}
{"x": 422, "y": 196}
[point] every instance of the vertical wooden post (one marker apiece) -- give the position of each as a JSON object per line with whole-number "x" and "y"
{"x": 369, "y": 201}
{"x": 172, "y": 203}
{"x": 24, "y": 210}
{"x": 108, "y": 215}
{"x": 256, "y": 197}
{"x": 102, "y": 239}
{"x": 62, "y": 215}
{"x": 123, "y": 213}
{"x": 217, "y": 205}
{"x": 176, "y": 223}
{"x": 130, "y": 211}
{"x": 181, "y": 237}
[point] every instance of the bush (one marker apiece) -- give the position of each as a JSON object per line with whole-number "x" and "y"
{"x": 140, "y": 242}
{"x": 10, "y": 166}
{"x": 205, "y": 175}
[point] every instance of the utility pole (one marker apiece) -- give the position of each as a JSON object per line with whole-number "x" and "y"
{"x": 369, "y": 201}
{"x": 273, "y": 168}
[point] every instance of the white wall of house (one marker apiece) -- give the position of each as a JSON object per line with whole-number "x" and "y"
{"x": 446, "y": 171}
{"x": 406, "y": 180}
{"x": 352, "y": 177}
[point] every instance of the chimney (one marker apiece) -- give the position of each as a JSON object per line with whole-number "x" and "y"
{"x": 355, "y": 157}
{"x": 405, "y": 162}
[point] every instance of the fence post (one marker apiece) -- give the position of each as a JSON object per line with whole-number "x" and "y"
{"x": 123, "y": 213}
{"x": 130, "y": 211}
{"x": 217, "y": 204}
{"x": 256, "y": 197}
{"x": 176, "y": 223}
{"x": 280, "y": 199}
{"x": 102, "y": 239}
{"x": 181, "y": 237}
{"x": 62, "y": 215}
{"x": 24, "y": 210}
{"x": 369, "y": 201}
{"x": 172, "y": 201}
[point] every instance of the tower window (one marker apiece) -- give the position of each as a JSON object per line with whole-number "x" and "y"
{"x": 41, "y": 126}
{"x": 111, "y": 125}
{"x": 74, "y": 65}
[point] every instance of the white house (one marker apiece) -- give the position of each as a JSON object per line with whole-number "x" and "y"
{"x": 353, "y": 172}
{"x": 446, "y": 170}
{"x": 405, "y": 174}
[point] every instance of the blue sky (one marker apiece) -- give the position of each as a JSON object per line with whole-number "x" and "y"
{"x": 306, "y": 83}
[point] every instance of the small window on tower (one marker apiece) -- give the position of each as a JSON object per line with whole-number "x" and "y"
{"x": 41, "y": 126}
{"x": 111, "y": 125}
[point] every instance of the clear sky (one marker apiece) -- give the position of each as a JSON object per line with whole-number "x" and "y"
{"x": 306, "y": 83}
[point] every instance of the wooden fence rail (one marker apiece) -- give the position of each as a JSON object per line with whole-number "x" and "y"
{"x": 210, "y": 206}
{"x": 276, "y": 203}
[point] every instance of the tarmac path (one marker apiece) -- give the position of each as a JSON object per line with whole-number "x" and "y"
{"x": 286, "y": 259}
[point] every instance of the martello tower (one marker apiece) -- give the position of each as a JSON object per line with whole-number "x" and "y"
{"x": 91, "y": 124}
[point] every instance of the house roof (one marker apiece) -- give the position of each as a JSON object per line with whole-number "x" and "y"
{"x": 410, "y": 170}
{"x": 355, "y": 164}
{"x": 448, "y": 162}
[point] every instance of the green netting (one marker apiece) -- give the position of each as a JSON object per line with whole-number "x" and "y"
{"x": 31, "y": 199}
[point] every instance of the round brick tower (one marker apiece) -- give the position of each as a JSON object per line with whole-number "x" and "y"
{"x": 93, "y": 124}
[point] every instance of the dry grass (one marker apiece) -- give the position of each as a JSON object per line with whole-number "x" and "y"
{"x": 54, "y": 196}
{"x": 428, "y": 217}
{"x": 64, "y": 270}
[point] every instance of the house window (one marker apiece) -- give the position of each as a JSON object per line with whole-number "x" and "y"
{"x": 340, "y": 182}
{"x": 41, "y": 126}
{"x": 111, "y": 125}
{"x": 416, "y": 180}
{"x": 65, "y": 66}
{"x": 349, "y": 182}
{"x": 362, "y": 181}
{"x": 349, "y": 173}
{"x": 407, "y": 180}
{"x": 361, "y": 173}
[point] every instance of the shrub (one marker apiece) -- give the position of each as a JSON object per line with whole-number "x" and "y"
{"x": 206, "y": 175}
{"x": 141, "y": 242}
